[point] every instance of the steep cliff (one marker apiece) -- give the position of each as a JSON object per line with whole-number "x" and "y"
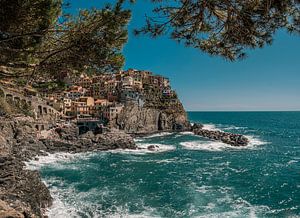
{"x": 22, "y": 193}
{"x": 144, "y": 120}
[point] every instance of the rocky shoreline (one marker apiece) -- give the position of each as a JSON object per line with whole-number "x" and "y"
{"x": 23, "y": 194}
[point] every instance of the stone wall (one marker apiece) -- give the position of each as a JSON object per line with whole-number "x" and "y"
{"x": 37, "y": 106}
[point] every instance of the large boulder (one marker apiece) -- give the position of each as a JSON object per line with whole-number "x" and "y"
{"x": 115, "y": 140}
{"x": 197, "y": 126}
{"x": 68, "y": 132}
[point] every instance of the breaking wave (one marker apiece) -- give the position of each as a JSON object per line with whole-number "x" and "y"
{"x": 254, "y": 142}
{"x": 162, "y": 134}
{"x": 78, "y": 206}
{"x": 204, "y": 145}
{"x": 146, "y": 148}
{"x": 56, "y": 158}
{"x": 210, "y": 127}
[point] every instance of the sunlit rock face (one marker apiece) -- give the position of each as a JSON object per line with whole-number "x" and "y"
{"x": 134, "y": 119}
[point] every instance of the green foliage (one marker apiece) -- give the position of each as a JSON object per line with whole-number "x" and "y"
{"x": 224, "y": 28}
{"x": 50, "y": 86}
{"x": 23, "y": 25}
{"x": 38, "y": 40}
{"x": 21, "y": 82}
{"x": 94, "y": 40}
{"x": 35, "y": 35}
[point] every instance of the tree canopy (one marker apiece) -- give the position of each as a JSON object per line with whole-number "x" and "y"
{"x": 22, "y": 27}
{"x": 93, "y": 39}
{"x": 38, "y": 36}
{"x": 223, "y": 27}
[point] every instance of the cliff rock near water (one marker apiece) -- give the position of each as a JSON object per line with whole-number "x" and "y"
{"x": 145, "y": 120}
{"x": 22, "y": 193}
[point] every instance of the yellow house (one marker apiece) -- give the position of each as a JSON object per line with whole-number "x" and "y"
{"x": 84, "y": 105}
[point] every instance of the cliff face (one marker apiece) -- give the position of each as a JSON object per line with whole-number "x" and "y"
{"x": 144, "y": 120}
{"x": 22, "y": 193}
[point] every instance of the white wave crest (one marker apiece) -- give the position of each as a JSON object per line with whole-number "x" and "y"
{"x": 186, "y": 133}
{"x": 138, "y": 139}
{"x": 61, "y": 210}
{"x": 205, "y": 145}
{"x": 254, "y": 142}
{"x": 234, "y": 128}
{"x": 55, "y": 158}
{"x": 143, "y": 148}
{"x": 180, "y": 134}
{"x": 210, "y": 127}
{"x": 292, "y": 162}
{"x": 78, "y": 206}
{"x": 221, "y": 127}
{"x": 161, "y": 134}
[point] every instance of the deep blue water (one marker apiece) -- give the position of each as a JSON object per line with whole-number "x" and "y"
{"x": 188, "y": 176}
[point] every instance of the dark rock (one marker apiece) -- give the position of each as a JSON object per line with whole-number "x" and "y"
{"x": 197, "y": 126}
{"x": 68, "y": 132}
{"x": 88, "y": 135}
{"x": 24, "y": 185}
{"x": 152, "y": 147}
{"x": 225, "y": 137}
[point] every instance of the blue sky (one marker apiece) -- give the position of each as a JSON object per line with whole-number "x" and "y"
{"x": 269, "y": 79}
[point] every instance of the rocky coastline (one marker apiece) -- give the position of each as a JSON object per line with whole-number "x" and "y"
{"x": 23, "y": 194}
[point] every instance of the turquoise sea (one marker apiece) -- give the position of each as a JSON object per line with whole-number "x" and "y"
{"x": 188, "y": 176}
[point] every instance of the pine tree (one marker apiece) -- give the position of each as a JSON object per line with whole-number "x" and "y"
{"x": 226, "y": 28}
{"x": 37, "y": 38}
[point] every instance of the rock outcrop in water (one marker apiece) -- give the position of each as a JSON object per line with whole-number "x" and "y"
{"x": 225, "y": 137}
{"x": 65, "y": 139}
{"x": 146, "y": 120}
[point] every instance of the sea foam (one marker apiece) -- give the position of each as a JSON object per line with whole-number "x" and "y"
{"x": 56, "y": 158}
{"x": 210, "y": 127}
{"x": 254, "y": 142}
{"x": 143, "y": 149}
{"x": 161, "y": 134}
{"x": 78, "y": 206}
{"x": 204, "y": 145}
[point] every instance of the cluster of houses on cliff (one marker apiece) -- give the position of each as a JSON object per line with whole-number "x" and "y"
{"x": 104, "y": 96}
